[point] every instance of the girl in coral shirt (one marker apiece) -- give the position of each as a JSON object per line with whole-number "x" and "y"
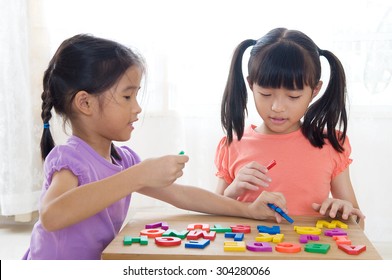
{"x": 306, "y": 137}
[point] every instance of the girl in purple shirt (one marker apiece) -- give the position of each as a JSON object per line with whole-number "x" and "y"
{"x": 92, "y": 83}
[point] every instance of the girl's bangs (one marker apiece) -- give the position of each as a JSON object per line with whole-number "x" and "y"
{"x": 281, "y": 65}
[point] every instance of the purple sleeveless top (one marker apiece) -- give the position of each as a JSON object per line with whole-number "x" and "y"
{"x": 86, "y": 239}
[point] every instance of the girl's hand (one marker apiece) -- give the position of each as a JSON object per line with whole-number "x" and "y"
{"x": 162, "y": 171}
{"x": 249, "y": 177}
{"x": 333, "y": 206}
{"x": 259, "y": 209}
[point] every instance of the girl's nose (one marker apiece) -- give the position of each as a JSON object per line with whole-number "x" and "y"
{"x": 136, "y": 108}
{"x": 277, "y": 106}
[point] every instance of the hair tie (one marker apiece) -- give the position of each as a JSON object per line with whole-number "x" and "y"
{"x": 46, "y": 125}
{"x": 321, "y": 52}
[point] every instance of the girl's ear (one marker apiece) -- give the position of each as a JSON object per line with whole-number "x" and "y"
{"x": 317, "y": 89}
{"x": 83, "y": 102}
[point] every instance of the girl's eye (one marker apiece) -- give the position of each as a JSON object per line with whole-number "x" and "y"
{"x": 295, "y": 97}
{"x": 265, "y": 94}
{"x": 127, "y": 97}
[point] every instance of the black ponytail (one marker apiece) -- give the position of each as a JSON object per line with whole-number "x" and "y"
{"x": 329, "y": 111}
{"x": 47, "y": 142}
{"x": 235, "y": 96}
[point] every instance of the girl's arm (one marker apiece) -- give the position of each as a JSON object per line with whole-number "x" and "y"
{"x": 343, "y": 199}
{"x": 201, "y": 200}
{"x": 65, "y": 203}
{"x": 250, "y": 177}
{"x": 221, "y": 187}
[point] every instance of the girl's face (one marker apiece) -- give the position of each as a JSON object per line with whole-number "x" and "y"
{"x": 120, "y": 108}
{"x": 282, "y": 109}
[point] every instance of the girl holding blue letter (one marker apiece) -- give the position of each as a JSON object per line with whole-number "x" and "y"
{"x": 305, "y": 135}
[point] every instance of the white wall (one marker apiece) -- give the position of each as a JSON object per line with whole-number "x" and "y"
{"x": 371, "y": 139}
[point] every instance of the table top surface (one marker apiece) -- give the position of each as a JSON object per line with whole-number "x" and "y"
{"x": 215, "y": 250}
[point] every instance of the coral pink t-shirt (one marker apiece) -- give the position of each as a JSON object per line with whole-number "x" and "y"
{"x": 303, "y": 173}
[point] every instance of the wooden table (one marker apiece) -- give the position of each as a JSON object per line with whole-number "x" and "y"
{"x": 215, "y": 250}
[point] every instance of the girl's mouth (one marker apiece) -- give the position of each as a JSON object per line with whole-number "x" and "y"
{"x": 278, "y": 120}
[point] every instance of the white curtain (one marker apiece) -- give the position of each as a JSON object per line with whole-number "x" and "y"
{"x": 20, "y": 167}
